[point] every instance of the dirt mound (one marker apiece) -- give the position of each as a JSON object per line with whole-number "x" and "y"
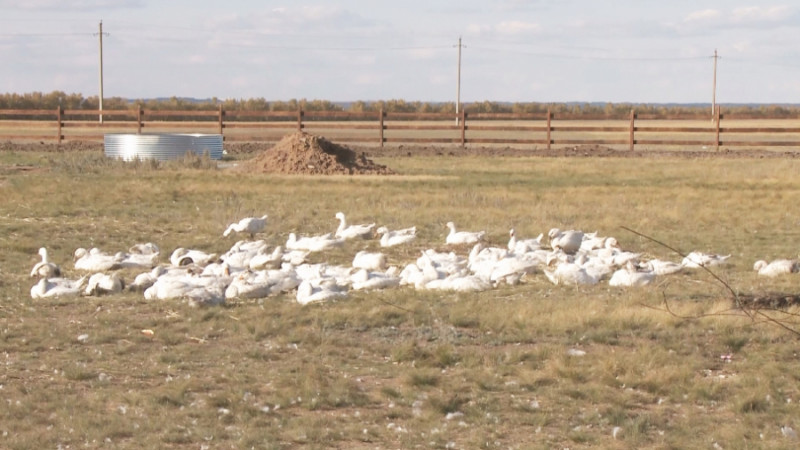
{"x": 303, "y": 153}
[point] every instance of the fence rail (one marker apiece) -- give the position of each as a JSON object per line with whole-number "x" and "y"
{"x": 383, "y": 127}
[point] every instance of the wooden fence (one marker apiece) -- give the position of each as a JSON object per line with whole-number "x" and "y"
{"x": 379, "y": 128}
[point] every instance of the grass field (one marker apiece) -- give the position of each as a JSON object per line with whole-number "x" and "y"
{"x": 403, "y": 368}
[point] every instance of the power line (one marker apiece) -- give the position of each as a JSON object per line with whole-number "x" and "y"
{"x": 43, "y": 34}
{"x": 591, "y": 57}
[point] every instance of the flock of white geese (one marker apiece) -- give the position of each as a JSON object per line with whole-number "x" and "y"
{"x": 250, "y": 269}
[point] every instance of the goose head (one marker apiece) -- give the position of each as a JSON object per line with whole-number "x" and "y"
{"x": 553, "y": 233}
{"x": 43, "y": 254}
{"x": 760, "y": 264}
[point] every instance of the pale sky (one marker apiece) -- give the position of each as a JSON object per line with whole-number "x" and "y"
{"x": 640, "y": 51}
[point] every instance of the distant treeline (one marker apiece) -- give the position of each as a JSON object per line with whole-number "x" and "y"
{"x": 52, "y": 100}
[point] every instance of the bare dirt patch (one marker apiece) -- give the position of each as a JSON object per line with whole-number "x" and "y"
{"x": 304, "y": 153}
{"x": 578, "y": 151}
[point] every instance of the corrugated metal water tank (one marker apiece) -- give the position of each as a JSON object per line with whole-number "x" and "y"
{"x": 161, "y": 146}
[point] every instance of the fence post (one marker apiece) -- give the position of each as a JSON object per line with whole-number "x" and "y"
{"x": 221, "y": 125}
{"x": 630, "y": 138}
{"x": 59, "y": 111}
{"x": 549, "y": 128}
{"x": 139, "y": 113}
{"x": 718, "y": 116}
{"x": 463, "y": 127}
{"x": 380, "y": 125}
{"x": 299, "y": 119}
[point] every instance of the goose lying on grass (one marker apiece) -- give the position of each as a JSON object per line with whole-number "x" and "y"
{"x": 58, "y": 287}
{"x": 630, "y": 275}
{"x": 144, "y": 280}
{"x": 319, "y": 290}
{"x": 313, "y": 243}
{"x": 569, "y": 241}
{"x": 94, "y": 260}
{"x": 345, "y": 231}
{"x": 523, "y": 245}
{"x": 266, "y": 260}
{"x": 197, "y": 289}
{"x": 45, "y": 268}
{"x": 369, "y": 260}
{"x": 661, "y": 267}
{"x": 365, "y": 279}
{"x": 183, "y": 257}
{"x": 103, "y": 283}
{"x": 148, "y": 248}
{"x": 242, "y": 252}
{"x": 390, "y": 238}
{"x": 570, "y": 273}
{"x": 251, "y": 225}
{"x": 462, "y": 237}
{"x": 261, "y": 284}
{"x": 777, "y": 267}
{"x": 696, "y": 260}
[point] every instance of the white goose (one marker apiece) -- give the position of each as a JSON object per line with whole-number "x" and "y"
{"x": 266, "y": 260}
{"x": 45, "y": 268}
{"x": 420, "y": 275}
{"x": 696, "y": 260}
{"x": 58, "y": 287}
{"x": 138, "y": 260}
{"x": 662, "y": 267}
{"x": 569, "y": 241}
{"x": 144, "y": 280}
{"x": 251, "y": 225}
{"x": 102, "y": 283}
{"x": 147, "y": 248}
{"x": 631, "y": 276}
{"x": 313, "y": 243}
{"x": 345, "y": 231}
{"x": 197, "y": 289}
{"x": 460, "y": 283}
{"x": 94, "y": 260}
{"x": 523, "y": 245}
{"x": 261, "y": 284}
{"x": 320, "y": 290}
{"x": 512, "y": 268}
{"x": 183, "y": 257}
{"x": 777, "y": 267}
{"x": 390, "y": 238}
{"x": 565, "y": 272}
{"x": 462, "y": 237}
{"x": 482, "y": 260}
{"x": 369, "y": 260}
{"x": 242, "y": 252}
{"x": 365, "y": 279}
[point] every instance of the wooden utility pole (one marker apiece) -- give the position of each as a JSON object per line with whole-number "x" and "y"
{"x": 100, "y": 107}
{"x": 458, "y": 83}
{"x": 714, "y": 88}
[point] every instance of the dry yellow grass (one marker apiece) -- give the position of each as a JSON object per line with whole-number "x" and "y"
{"x": 403, "y": 368}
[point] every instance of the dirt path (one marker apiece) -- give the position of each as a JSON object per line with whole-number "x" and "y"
{"x": 581, "y": 151}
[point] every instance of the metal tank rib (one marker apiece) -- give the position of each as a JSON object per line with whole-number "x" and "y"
{"x": 160, "y": 146}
